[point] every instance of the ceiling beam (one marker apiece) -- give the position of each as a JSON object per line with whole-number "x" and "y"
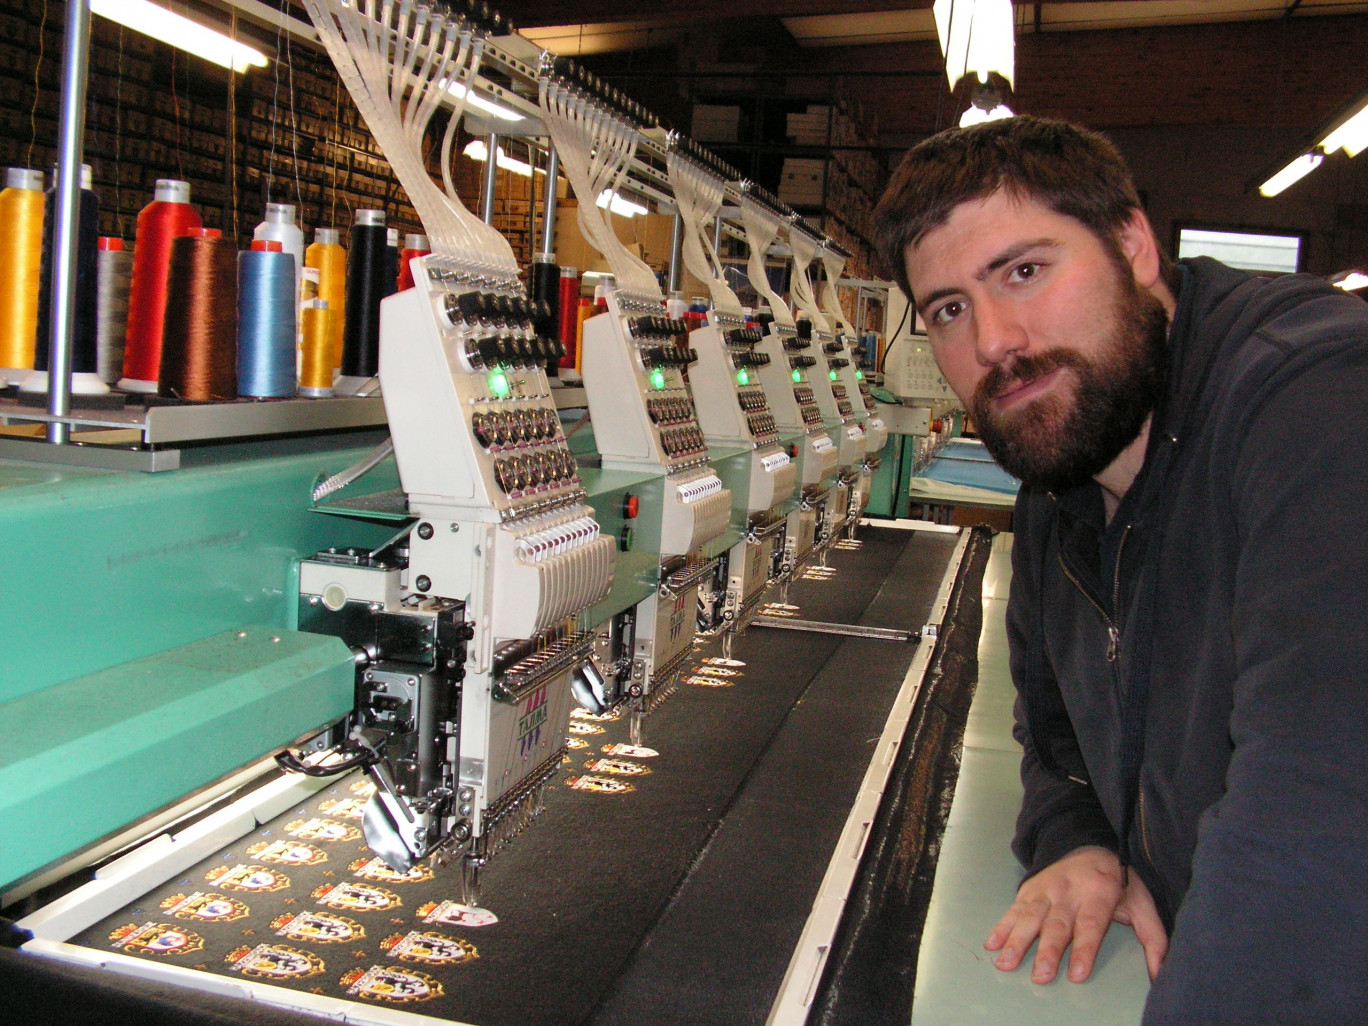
{"x": 537, "y": 13}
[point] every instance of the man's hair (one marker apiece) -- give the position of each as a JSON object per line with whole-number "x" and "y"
{"x": 1068, "y": 169}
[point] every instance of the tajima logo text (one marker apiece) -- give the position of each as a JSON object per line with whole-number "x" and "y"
{"x": 530, "y": 723}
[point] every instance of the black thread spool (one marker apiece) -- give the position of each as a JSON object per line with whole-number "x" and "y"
{"x": 367, "y": 274}
{"x": 546, "y": 289}
{"x": 85, "y": 325}
{"x": 199, "y": 334}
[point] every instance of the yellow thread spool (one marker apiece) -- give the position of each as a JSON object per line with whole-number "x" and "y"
{"x": 316, "y": 332}
{"x": 21, "y": 257}
{"x": 327, "y": 255}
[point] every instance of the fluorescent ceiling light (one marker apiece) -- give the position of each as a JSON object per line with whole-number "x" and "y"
{"x": 1294, "y": 172}
{"x": 1352, "y": 136}
{"x": 1352, "y": 281}
{"x": 618, "y": 205}
{"x": 975, "y": 36}
{"x": 477, "y": 150}
{"x": 182, "y": 33}
{"x": 488, "y": 106}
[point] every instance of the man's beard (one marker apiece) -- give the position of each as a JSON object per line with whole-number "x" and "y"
{"x": 1070, "y": 435}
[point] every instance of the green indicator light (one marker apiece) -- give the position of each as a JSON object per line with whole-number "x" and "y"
{"x": 831, "y": 374}
{"x": 797, "y": 375}
{"x": 498, "y": 383}
{"x": 742, "y": 378}
{"x": 859, "y": 375}
{"x": 657, "y": 378}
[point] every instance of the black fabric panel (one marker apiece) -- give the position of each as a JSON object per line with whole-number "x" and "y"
{"x": 719, "y": 953}
{"x": 870, "y": 976}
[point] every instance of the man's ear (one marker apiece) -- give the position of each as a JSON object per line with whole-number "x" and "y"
{"x": 1141, "y": 249}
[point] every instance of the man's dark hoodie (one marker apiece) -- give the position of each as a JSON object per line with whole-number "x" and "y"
{"x": 1193, "y": 675}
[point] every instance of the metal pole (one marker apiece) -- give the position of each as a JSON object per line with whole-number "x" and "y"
{"x": 676, "y": 248}
{"x": 548, "y": 246}
{"x": 66, "y": 226}
{"x": 531, "y": 201}
{"x": 491, "y": 177}
{"x": 717, "y": 236}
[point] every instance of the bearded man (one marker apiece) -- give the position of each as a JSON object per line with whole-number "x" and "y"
{"x": 1187, "y": 620}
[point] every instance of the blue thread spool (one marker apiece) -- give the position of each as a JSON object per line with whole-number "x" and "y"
{"x": 267, "y": 322}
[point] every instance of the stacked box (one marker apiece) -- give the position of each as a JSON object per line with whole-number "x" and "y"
{"x": 811, "y": 128}
{"x": 716, "y": 123}
{"x": 803, "y": 182}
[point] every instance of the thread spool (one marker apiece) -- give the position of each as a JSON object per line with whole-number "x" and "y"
{"x": 85, "y": 379}
{"x": 315, "y": 348}
{"x": 279, "y": 226}
{"x": 267, "y": 321}
{"x": 544, "y": 288}
{"x": 366, "y": 278}
{"x": 415, "y": 245}
{"x": 199, "y": 332}
{"x": 166, "y": 217}
{"x": 583, "y": 312}
{"x": 567, "y": 329}
{"x": 21, "y": 254}
{"x": 391, "y": 261}
{"x": 330, "y": 259}
{"x": 113, "y": 276}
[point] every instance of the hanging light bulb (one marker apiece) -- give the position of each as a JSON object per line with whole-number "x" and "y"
{"x": 987, "y": 105}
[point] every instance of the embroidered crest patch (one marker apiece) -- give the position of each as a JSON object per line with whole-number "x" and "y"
{"x": 428, "y": 947}
{"x": 321, "y": 927}
{"x": 156, "y": 939}
{"x": 392, "y": 984}
{"x": 205, "y": 906}
{"x": 355, "y": 897}
{"x": 274, "y": 962}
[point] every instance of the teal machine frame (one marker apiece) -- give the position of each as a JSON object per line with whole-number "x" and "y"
{"x": 151, "y": 618}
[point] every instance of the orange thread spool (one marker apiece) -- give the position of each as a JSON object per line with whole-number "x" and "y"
{"x": 315, "y": 365}
{"x": 330, "y": 259}
{"x": 21, "y": 256}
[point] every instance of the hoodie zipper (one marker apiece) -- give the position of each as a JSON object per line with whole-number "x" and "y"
{"x": 1113, "y": 652}
{"x": 1113, "y": 633}
{"x": 1144, "y": 824}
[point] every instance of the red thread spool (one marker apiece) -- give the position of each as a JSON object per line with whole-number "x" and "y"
{"x": 415, "y": 245}
{"x": 568, "y": 328}
{"x": 166, "y": 217}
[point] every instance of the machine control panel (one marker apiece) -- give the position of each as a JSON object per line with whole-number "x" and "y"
{"x": 733, "y": 406}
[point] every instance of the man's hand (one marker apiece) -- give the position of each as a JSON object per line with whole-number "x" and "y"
{"x": 1074, "y": 901}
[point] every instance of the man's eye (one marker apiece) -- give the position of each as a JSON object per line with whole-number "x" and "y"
{"x": 1024, "y": 272}
{"x": 948, "y": 312}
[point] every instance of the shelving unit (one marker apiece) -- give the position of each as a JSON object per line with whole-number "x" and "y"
{"x": 817, "y": 157}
